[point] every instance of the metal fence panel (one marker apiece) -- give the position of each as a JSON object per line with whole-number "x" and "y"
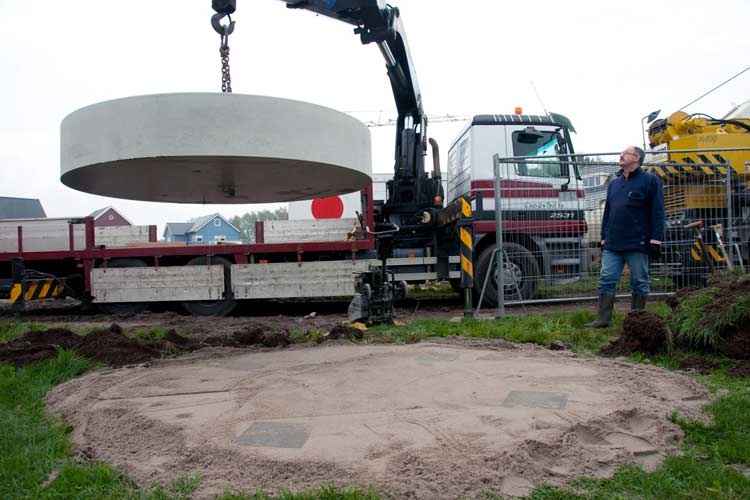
{"x": 550, "y": 227}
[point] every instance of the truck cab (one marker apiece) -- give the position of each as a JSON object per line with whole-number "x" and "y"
{"x": 542, "y": 215}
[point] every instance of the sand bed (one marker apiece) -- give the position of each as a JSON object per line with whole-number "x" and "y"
{"x": 437, "y": 420}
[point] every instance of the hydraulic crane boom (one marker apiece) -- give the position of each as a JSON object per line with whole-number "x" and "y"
{"x": 411, "y": 190}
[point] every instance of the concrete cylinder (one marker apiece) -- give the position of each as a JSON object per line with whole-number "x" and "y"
{"x": 213, "y": 148}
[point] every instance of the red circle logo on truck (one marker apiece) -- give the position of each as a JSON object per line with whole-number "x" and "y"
{"x": 328, "y": 208}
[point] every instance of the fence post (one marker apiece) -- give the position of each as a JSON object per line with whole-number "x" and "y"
{"x": 499, "y": 257}
{"x": 728, "y": 236}
{"x": 18, "y": 287}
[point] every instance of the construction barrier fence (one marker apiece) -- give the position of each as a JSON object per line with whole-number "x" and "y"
{"x": 550, "y": 225}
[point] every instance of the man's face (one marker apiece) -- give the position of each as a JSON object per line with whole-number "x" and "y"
{"x": 629, "y": 158}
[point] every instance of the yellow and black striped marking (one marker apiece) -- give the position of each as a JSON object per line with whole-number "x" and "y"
{"x": 691, "y": 165}
{"x": 467, "y": 246}
{"x": 35, "y": 290}
{"x": 696, "y": 253}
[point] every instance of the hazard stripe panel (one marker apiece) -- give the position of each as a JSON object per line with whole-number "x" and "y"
{"x": 15, "y": 293}
{"x": 35, "y": 290}
{"x": 466, "y": 239}
{"x": 467, "y": 266}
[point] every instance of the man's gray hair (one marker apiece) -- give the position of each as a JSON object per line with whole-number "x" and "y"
{"x": 641, "y": 154}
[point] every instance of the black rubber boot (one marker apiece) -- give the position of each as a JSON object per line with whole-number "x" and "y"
{"x": 638, "y": 302}
{"x": 604, "y": 312}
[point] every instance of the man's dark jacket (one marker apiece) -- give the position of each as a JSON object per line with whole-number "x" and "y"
{"x": 634, "y": 212}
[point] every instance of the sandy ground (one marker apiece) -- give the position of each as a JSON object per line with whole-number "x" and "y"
{"x": 443, "y": 419}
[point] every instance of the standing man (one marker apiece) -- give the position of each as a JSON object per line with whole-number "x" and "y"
{"x": 632, "y": 231}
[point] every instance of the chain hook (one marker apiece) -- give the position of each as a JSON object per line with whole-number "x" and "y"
{"x": 222, "y": 29}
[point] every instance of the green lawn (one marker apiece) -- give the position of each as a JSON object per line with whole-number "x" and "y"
{"x": 35, "y": 461}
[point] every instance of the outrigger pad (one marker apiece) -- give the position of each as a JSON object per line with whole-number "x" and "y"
{"x": 213, "y": 148}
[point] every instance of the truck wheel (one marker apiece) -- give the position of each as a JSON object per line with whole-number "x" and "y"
{"x": 123, "y": 307}
{"x": 521, "y": 268}
{"x": 220, "y": 307}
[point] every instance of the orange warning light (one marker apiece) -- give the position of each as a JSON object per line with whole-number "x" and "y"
{"x": 519, "y": 110}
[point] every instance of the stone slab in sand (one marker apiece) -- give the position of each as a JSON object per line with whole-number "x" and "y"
{"x": 437, "y": 420}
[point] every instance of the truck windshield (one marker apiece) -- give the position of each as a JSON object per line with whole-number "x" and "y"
{"x": 536, "y": 143}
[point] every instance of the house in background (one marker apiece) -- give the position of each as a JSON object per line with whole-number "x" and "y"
{"x": 177, "y": 231}
{"x": 209, "y": 229}
{"x": 108, "y": 216}
{"x": 21, "y": 208}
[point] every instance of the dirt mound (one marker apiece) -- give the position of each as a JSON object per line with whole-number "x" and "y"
{"x": 343, "y": 332}
{"x": 37, "y": 346}
{"x": 642, "y": 331}
{"x": 112, "y": 347}
{"x": 699, "y": 364}
{"x": 736, "y": 345}
{"x": 740, "y": 370}
{"x": 716, "y": 318}
{"x": 258, "y": 336}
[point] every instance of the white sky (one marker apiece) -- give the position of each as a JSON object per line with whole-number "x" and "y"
{"x": 603, "y": 64}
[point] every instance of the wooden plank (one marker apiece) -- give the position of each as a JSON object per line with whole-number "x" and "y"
{"x": 120, "y": 236}
{"x": 289, "y": 280}
{"x": 156, "y": 284}
{"x": 40, "y": 235}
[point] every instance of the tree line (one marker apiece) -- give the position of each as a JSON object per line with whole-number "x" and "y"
{"x": 246, "y": 223}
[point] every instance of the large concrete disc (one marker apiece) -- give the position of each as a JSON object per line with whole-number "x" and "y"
{"x": 429, "y": 420}
{"x": 213, "y": 148}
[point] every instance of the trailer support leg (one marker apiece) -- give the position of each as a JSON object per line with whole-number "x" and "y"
{"x": 18, "y": 287}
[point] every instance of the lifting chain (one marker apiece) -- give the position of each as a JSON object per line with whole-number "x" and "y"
{"x": 224, "y": 30}
{"x": 226, "y": 78}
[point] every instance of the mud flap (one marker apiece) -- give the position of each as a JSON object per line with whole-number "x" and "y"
{"x": 359, "y": 308}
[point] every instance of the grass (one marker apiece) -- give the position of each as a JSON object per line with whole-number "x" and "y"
{"x": 10, "y": 330}
{"x": 150, "y": 334}
{"x": 299, "y": 336}
{"x": 431, "y": 290}
{"x": 321, "y": 493}
{"x": 540, "y": 329}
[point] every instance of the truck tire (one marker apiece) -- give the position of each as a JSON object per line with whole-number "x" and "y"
{"x": 522, "y": 265}
{"x": 115, "y": 308}
{"x": 220, "y": 307}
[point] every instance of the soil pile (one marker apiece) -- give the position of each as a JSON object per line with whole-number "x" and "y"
{"x": 110, "y": 346}
{"x": 113, "y": 347}
{"x": 257, "y": 336}
{"x": 642, "y": 331}
{"x": 37, "y": 346}
{"x": 716, "y": 318}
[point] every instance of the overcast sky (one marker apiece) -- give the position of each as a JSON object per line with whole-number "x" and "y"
{"x": 603, "y": 64}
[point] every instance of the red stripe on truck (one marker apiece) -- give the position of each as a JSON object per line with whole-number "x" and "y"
{"x": 570, "y": 227}
{"x": 519, "y": 189}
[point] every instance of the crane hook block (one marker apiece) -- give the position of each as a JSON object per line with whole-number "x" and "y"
{"x": 224, "y": 6}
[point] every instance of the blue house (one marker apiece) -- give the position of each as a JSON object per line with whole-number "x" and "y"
{"x": 209, "y": 229}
